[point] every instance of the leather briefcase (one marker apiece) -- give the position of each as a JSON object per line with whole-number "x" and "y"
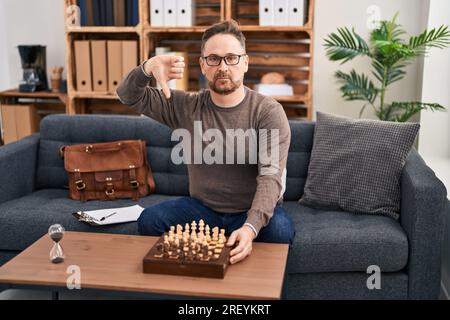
{"x": 107, "y": 171}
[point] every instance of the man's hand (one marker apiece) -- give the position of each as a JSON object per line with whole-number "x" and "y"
{"x": 164, "y": 68}
{"x": 244, "y": 236}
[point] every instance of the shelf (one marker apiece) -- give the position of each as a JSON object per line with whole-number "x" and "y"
{"x": 175, "y": 29}
{"x": 275, "y": 28}
{"x": 95, "y": 95}
{"x": 14, "y": 93}
{"x": 243, "y": 28}
{"x": 103, "y": 29}
{"x": 291, "y": 99}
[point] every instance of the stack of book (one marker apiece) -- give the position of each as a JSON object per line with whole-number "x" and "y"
{"x": 109, "y": 12}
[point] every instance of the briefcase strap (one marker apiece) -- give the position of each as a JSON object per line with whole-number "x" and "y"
{"x": 80, "y": 185}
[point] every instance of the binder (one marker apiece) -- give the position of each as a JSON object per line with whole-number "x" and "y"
{"x": 266, "y": 14}
{"x": 281, "y": 14}
{"x": 157, "y": 13}
{"x": 119, "y": 12}
{"x": 89, "y": 13}
{"x": 170, "y": 13}
{"x": 97, "y": 9}
{"x": 296, "y": 12}
{"x": 109, "y": 14}
{"x": 83, "y": 13}
{"x": 99, "y": 70}
{"x": 184, "y": 13}
{"x": 129, "y": 56}
{"x": 114, "y": 64}
{"x": 83, "y": 65}
{"x": 129, "y": 12}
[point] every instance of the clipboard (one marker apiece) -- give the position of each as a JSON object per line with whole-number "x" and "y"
{"x": 109, "y": 216}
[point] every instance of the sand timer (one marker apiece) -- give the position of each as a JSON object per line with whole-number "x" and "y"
{"x": 56, "y": 232}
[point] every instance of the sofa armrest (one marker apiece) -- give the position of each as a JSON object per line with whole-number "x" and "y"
{"x": 18, "y": 167}
{"x": 423, "y": 204}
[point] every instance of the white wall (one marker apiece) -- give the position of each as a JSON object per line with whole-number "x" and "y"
{"x": 329, "y": 15}
{"x": 434, "y": 141}
{"x": 30, "y": 22}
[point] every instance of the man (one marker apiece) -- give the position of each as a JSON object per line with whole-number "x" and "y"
{"x": 240, "y": 197}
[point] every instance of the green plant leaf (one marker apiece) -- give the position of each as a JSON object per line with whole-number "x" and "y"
{"x": 345, "y": 45}
{"x": 357, "y": 87}
{"x": 435, "y": 38}
{"x": 388, "y": 31}
{"x": 403, "y": 111}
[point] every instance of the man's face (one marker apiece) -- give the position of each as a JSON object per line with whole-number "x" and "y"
{"x": 224, "y": 79}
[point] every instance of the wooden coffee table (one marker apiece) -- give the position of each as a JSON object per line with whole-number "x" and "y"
{"x": 113, "y": 262}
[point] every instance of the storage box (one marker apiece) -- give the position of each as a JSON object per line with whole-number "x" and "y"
{"x": 18, "y": 121}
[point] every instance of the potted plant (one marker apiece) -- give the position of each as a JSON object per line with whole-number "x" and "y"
{"x": 389, "y": 55}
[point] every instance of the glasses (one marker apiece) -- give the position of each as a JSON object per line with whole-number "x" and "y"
{"x": 230, "y": 60}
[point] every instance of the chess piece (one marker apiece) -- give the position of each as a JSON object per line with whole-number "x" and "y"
{"x": 179, "y": 230}
{"x": 193, "y": 226}
{"x": 159, "y": 250}
{"x": 56, "y": 233}
{"x": 222, "y": 233}
{"x": 205, "y": 252}
{"x": 166, "y": 246}
{"x": 207, "y": 233}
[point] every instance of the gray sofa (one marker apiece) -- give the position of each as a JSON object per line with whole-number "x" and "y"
{"x": 331, "y": 252}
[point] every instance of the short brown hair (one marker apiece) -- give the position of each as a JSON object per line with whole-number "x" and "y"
{"x": 225, "y": 27}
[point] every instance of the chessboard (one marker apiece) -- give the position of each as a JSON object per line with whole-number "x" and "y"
{"x": 190, "y": 251}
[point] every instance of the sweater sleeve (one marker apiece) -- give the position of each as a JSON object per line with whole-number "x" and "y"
{"x": 135, "y": 92}
{"x": 273, "y": 146}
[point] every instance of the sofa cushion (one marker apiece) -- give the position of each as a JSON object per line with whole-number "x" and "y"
{"x": 356, "y": 164}
{"x": 59, "y": 130}
{"x": 24, "y": 220}
{"x": 335, "y": 241}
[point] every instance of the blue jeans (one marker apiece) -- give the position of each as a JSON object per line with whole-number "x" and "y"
{"x": 157, "y": 219}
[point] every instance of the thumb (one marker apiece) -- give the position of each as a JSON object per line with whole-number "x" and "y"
{"x": 165, "y": 89}
{"x": 232, "y": 239}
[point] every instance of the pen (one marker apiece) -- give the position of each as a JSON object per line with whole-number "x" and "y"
{"x": 109, "y": 215}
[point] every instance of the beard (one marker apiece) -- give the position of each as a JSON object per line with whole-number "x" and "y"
{"x": 223, "y": 84}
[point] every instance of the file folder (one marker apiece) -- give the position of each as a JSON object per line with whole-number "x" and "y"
{"x": 281, "y": 14}
{"x": 184, "y": 16}
{"x": 114, "y": 65}
{"x": 170, "y": 13}
{"x": 99, "y": 70}
{"x": 83, "y": 65}
{"x": 266, "y": 8}
{"x": 129, "y": 56}
{"x": 119, "y": 12}
{"x": 156, "y": 13}
{"x": 296, "y": 12}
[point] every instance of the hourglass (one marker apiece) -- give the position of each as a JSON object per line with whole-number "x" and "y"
{"x": 56, "y": 232}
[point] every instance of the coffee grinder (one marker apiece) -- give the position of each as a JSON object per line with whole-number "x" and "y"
{"x": 34, "y": 65}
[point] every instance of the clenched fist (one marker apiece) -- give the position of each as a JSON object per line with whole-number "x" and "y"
{"x": 164, "y": 68}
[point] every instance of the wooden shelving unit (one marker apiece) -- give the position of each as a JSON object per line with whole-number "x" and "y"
{"x": 288, "y": 50}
